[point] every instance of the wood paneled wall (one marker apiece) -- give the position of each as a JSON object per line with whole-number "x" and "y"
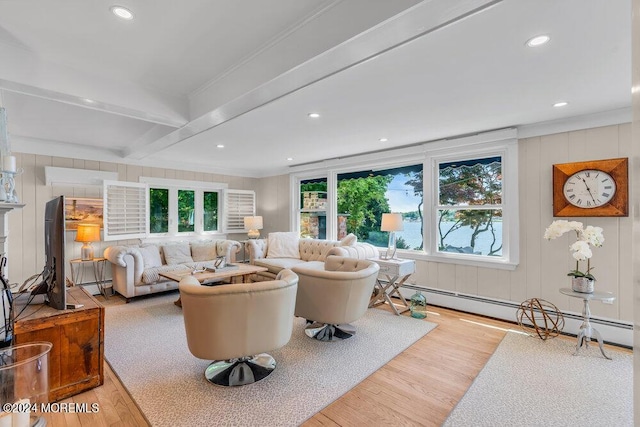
{"x": 543, "y": 264}
{"x": 26, "y": 226}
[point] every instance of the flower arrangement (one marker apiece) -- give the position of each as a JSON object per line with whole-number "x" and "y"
{"x": 581, "y": 249}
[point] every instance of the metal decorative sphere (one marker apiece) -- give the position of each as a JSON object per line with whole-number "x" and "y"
{"x": 539, "y": 317}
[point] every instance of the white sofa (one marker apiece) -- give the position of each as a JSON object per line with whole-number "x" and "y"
{"x": 310, "y": 253}
{"x": 135, "y": 269}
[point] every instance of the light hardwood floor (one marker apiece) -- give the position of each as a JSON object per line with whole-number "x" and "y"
{"x": 418, "y": 387}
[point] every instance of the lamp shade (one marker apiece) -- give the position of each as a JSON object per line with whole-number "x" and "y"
{"x": 253, "y": 223}
{"x": 88, "y": 233}
{"x": 391, "y": 222}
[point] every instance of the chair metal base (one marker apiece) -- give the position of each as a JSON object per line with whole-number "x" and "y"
{"x": 241, "y": 371}
{"x": 329, "y": 332}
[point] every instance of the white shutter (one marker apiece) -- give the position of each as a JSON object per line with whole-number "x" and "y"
{"x": 237, "y": 205}
{"x": 125, "y": 210}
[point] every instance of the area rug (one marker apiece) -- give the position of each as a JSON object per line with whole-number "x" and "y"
{"x": 530, "y": 382}
{"x": 145, "y": 344}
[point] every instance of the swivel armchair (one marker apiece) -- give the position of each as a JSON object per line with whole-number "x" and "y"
{"x": 235, "y": 324}
{"x": 332, "y": 298}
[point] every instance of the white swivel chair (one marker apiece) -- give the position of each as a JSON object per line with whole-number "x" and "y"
{"x": 332, "y": 298}
{"x": 235, "y": 324}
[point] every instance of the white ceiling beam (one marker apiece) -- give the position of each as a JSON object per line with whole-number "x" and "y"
{"x": 33, "y": 76}
{"x": 420, "y": 20}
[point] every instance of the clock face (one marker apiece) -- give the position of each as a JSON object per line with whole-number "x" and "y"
{"x": 589, "y": 188}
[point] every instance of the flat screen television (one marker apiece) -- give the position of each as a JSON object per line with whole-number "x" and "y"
{"x": 54, "y": 282}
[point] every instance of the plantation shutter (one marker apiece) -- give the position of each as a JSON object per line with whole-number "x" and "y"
{"x": 238, "y": 204}
{"x": 125, "y": 210}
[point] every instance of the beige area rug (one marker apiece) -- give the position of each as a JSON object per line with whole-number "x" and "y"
{"x": 145, "y": 344}
{"x": 530, "y": 382}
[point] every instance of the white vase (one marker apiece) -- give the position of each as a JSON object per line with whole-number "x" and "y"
{"x": 582, "y": 284}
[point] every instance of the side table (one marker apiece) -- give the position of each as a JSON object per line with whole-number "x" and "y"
{"x": 586, "y": 330}
{"x": 98, "y": 264}
{"x": 396, "y": 272}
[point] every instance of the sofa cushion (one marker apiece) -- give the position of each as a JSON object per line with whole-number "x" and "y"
{"x": 349, "y": 240}
{"x": 150, "y": 275}
{"x": 150, "y": 256}
{"x": 203, "y": 251}
{"x": 283, "y": 245}
{"x": 274, "y": 265}
{"x": 177, "y": 254}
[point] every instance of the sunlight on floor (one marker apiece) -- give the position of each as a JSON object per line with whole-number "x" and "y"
{"x": 494, "y": 327}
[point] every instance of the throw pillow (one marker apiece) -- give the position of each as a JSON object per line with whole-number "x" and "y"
{"x": 203, "y": 251}
{"x": 283, "y": 245}
{"x": 150, "y": 256}
{"x": 349, "y": 240}
{"x": 177, "y": 254}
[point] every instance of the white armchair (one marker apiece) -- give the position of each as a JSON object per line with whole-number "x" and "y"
{"x": 335, "y": 296}
{"x": 235, "y": 324}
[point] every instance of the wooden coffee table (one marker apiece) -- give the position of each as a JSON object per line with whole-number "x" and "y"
{"x": 244, "y": 271}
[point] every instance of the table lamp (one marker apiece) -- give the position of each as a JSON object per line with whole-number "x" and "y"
{"x": 253, "y": 224}
{"x": 87, "y": 233}
{"x": 391, "y": 222}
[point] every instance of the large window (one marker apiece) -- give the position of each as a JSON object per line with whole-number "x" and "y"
{"x": 363, "y": 196}
{"x": 458, "y": 199}
{"x": 469, "y": 216}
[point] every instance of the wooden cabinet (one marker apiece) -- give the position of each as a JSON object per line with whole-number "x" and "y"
{"x": 77, "y": 357}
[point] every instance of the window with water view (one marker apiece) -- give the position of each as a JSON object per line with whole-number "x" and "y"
{"x": 469, "y": 219}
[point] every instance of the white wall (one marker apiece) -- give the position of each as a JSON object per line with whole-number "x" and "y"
{"x": 26, "y": 225}
{"x": 543, "y": 264}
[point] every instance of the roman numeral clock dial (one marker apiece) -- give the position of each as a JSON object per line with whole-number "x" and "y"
{"x": 589, "y": 189}
{"x": 592, "y": 188}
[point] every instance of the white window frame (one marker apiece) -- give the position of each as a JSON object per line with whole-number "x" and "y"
{"x": 199, "y": 187}
{"x": 502, "y": 143}
{"x": 499, "y": 143}
{"x": 134, "y": 195}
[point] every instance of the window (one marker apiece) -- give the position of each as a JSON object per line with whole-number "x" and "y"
{"x": 177, "y": 206}
{"x": 469, "y": 217}
{"x": 458, "y": 199}
{"x": 158, "y": 210}
{"x": 210, "y": 211}
{"x": 472, "y": 215}
{"x": 186, "y": 211}
{"x": 363, "y": 196}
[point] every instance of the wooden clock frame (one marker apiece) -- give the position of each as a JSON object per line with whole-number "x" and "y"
{"x": 617, "y": 206}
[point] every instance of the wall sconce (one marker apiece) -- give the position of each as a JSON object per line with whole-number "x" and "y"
{"x": 253, "y": 224}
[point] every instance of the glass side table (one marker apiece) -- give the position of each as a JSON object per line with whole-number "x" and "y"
{"x": 586, "y": 330}
{"x": 98, "y": 264}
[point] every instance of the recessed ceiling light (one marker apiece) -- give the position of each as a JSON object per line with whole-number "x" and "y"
{"x": 538, "y": 40}
{"x": 88, "y": 101}
{"x": 313, "y": 115}
{"x": 289, "y": 159}
{"x": 560, "y": 104}
{"x": 220, "y": 146}
{"x": 383, "y": 139}
{"x": 122, "y": 12}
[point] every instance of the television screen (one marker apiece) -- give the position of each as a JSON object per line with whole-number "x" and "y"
{"x": 54, "y": 244}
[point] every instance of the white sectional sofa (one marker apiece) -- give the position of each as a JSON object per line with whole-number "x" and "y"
{"x": 286, "y": 250}
{"x": 135, "y": 269}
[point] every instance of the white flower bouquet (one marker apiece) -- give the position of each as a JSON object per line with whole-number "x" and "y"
{"x": 581, "y": 249}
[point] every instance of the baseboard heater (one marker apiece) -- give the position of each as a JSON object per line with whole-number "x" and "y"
{"x": 612, "y": 331}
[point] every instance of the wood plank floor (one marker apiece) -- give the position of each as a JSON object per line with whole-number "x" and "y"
{"x": 418, "y": 387}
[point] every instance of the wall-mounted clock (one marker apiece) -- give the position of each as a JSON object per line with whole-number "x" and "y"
{"x": 593, "y": 188}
